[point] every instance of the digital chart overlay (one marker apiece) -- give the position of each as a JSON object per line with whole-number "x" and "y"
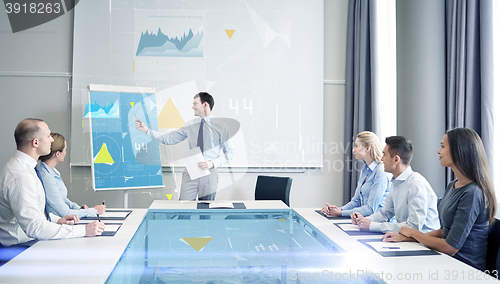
{"x": 262, "y": 61}
{"x": 169, "y": 33}
{"x": 122, "y": 156}
{"x": 160, "y": 44}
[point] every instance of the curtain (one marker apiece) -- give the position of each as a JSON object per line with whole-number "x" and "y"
{"x": 360, "y": 97}
{"x": 469, "y": 70}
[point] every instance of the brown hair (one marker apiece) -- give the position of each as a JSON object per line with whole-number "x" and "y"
{"x": 56, "y": 146}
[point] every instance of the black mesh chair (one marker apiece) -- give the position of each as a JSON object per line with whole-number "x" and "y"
{"x": 492, "y": 256}
{"x": 273, "y": 188}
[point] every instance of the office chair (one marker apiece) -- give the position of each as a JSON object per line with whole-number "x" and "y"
{"x": 273, "y": 188}
{"x": 268, "y": 188}
{"x": 493, "y": 254}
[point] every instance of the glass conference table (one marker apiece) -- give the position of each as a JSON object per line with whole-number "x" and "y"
{"x": 229, "y": 246}
{"x": 174, "y": 242}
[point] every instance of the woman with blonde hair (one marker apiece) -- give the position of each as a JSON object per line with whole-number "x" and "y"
{"x": 373, "y": 183}
{"x": 468, "y": 204}
{"x": 55, "y": 190}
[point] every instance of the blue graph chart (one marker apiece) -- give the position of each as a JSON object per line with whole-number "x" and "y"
{"x": 122, "y": 156}
{"x": 160, "y": 44}
{"x": 111, "y": 110}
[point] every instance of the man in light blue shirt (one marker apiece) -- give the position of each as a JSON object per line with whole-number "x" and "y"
{"x": 411, "y": 199}
{"x": 208, "y": 133}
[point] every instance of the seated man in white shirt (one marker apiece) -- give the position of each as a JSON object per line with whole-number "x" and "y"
{"x": 411, "y": 199}
{"x": 23, "y": 215}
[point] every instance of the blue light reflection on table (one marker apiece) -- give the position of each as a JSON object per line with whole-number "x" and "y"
{"x": 229, "y": 246}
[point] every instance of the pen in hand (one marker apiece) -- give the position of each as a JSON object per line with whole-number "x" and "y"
{"x": 355, "y": 221}
{"x": 98, "y": 218}
{"x": 330, "y": 209}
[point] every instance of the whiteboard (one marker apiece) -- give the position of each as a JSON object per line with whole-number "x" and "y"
{"x": 261, "y": 60}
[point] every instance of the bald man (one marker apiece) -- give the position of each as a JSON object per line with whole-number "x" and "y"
{"x": 23, "y": 216}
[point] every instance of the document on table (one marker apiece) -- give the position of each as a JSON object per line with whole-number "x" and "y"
{"x": 111, "y": 214}
{"x": 402, "y": 246}
{"x": 353, "y": 230}
{"x": 191, "y": 159}
{"x": 116, "y": 214}
{"x": 111, "y": 228}
{"x": 349, "y": 227}
{"x": 331, "y": 217}
{"x": 397, "y": 249}
{"x": 90, "y": 220}
{"x": 85, "y": 221}
{"x": 221, "y": 205}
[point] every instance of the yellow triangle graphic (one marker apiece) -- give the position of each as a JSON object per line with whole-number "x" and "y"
{"x": 170, "y": 117}
{"x": 132, "y": 104}
{"x": 103, "y": 157}
{"x": 230, "y": 33}
{"x": 281, "y": 219}
{"x": 169, "y": 196}
{"x": 197, "y": 243}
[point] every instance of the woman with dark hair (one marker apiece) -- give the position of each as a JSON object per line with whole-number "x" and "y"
{"x": 468, "y": 205}
{"x": 55, "y": 190}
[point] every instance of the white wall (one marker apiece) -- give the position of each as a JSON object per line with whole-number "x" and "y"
{"x": 421, "y": 84}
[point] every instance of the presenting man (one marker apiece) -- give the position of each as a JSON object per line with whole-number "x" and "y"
{"x": 411, "y": 199}
{"x": 206, "y": 132}
{"x": 23, "y": 214}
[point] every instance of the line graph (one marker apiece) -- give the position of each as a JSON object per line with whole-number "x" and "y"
{"x": 111, "y": 110}
{"x": 190, "y": 44}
